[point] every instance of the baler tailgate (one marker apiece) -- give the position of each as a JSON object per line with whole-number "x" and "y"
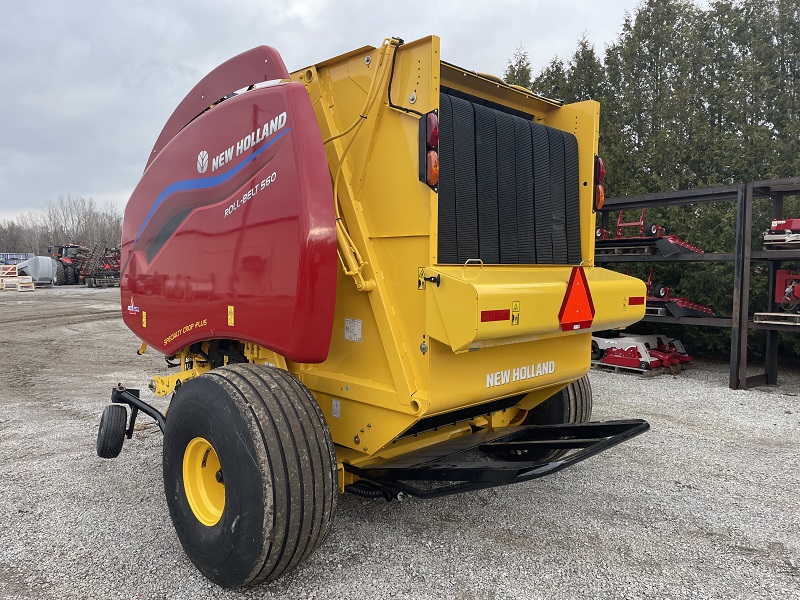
{"x": 448, "y": 462}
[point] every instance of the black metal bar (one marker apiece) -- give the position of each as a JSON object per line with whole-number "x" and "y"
{"x": 677, "y": 198}
{"x": 693, "y": 257}
{"x": 120, "y": 395}
{"x": 787, "y": 185}
{"x": 703, "y": 321}
{"x": 682, "y": 257}
{"x": 754, "y": 380}
{"x": 537, "y": 445}
{"x": 440, "y": 463}
{"x": 747, "y": 246}
{"x": 776, "y": 255}
{"x": 134, "y": 414}
{"x": 777, "y": 206}
{"x": 790, "y": 185}
{"x": 738, "y": 268}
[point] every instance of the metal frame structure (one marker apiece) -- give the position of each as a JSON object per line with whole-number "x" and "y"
{"x": 740, "y": 321}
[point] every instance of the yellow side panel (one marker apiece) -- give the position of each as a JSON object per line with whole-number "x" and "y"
{"x": 468, "y": 378}
{"x": 529, "y": 298}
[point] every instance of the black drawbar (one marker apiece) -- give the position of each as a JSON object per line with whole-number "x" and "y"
{"x": 508, "y": 187}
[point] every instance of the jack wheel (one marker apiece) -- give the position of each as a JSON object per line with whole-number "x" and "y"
{"x": 249, "y": 473}
{"x": 644, "y": 365}
{"x": 597, "y": 353}
{"x": 573, "y": 404}
{"x": 111, "y": 435}
{"x": 651, "y": 230}
{"x": 660, "y": 290}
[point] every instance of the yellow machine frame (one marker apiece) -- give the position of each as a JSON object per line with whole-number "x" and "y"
{"x": 404, "y": 348}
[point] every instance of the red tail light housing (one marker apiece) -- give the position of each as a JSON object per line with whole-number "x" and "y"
{"x": 429, "y": 150}
{"x": 599, "y": 170}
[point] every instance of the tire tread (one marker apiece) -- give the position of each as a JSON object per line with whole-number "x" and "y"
{"x": 301, "y": 455}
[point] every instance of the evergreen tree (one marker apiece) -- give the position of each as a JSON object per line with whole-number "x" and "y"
{"x": 552, "y": 81}
{"x": 518, "y": 71}
{"x": 585, "y": 76}
{"x": 695, "y": 97}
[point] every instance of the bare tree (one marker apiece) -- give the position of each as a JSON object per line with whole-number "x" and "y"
{"x": 67, "y": 220}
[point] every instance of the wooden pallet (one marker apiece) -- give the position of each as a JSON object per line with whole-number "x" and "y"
{"x": 777, "y": 318}
{"x": 673, "y": 370}
{"x": 8, "y": 283}
{"x": 781, "y": 245}
{"x": 25, "y": 284}
{"x": 8, "y": 271}
{"x": 601, "y": 366}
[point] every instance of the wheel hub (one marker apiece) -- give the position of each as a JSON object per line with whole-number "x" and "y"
{"x": 203, "y": 482}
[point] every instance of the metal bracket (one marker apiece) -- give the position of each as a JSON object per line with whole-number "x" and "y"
{"x": 449, "y": 466}
{"x": 120, "y": 395}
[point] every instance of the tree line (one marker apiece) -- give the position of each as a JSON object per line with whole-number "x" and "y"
{"x": 67, "y": 220}
{"x": 693, "y": 97}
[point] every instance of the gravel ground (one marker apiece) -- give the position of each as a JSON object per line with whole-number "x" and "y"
{"x": 705, "y": 505}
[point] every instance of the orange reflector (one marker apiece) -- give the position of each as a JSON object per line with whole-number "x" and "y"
{"x": 577, "y": 309}
{"x": 599, "y": 197}
{"x": 433, "y": 168}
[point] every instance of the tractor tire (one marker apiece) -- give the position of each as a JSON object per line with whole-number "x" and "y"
{"x": 111, "y": 434}
{"x": 61, "y": 278}
{"x": 249, "y": 473}
{"x": 659, "y": 291}
{"x": 573, "y": 404}
{"x": 70, "y": 275}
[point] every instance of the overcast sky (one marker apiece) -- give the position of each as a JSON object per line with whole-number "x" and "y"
{"x": 86, "y": 86}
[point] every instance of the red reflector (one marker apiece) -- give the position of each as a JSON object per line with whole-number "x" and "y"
{"x": 432, "y": 137}
{"x": 599, "y": 170}
{"x": 495, "y": 315}
{"x": 433, "y": 168}
{"x": 577, "y": 310}
{"x": 635, "y": 300}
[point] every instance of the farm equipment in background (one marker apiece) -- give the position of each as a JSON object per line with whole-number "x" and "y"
{"x": 782, "y": 233}
{"x": 661, "y": 300}
{"x": 641, "y": 352}
{"x": 647, "y": 238}
{"x": 787, "y": 290}
{"x": 374, "y": 274}
{"x": 70, "y": 259}
{"x": 102, "y": 267}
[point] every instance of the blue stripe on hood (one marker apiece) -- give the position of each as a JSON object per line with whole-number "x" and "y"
{"x": 203, "y": 183}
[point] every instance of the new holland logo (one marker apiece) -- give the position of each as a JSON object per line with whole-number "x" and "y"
{"x": 202, "y": 161}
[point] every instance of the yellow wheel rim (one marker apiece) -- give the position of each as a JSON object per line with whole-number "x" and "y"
{"x": 202, "y": 480}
